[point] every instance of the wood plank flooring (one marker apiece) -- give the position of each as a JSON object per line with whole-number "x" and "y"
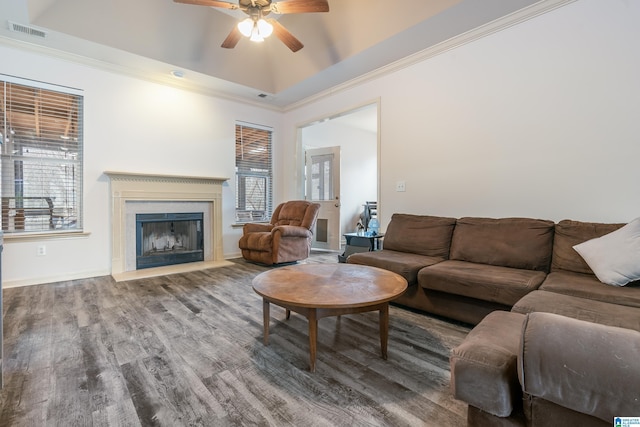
{"x": 186, "y": 350}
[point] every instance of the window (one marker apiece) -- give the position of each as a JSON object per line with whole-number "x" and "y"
{"x": 322, "y": 177}
{"x": 253, "y": 173}
{"x": 41, "y": 157}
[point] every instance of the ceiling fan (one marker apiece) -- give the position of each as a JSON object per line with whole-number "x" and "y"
{"x": 256, "y": 27}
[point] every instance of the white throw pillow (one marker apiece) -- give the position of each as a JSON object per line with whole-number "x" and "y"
{"x": 614, "y": 257}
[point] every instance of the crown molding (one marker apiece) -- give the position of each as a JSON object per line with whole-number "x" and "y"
{"x": 244, "y": 95}
{"x": 141, "y": 73}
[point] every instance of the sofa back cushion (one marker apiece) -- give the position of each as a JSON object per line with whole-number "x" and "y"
{"x": 509, "y": 242}
{"x": 420, "y": 234}
{"x": 570, "y": 233}
{"x": 300, "y": 213}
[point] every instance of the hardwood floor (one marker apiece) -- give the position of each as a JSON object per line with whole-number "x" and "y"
{"x": 186, "y": 350}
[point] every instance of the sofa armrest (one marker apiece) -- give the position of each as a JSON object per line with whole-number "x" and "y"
{"x": 253, "y": 227}
{"x": 292, "y": 231}
{"x": 587, "y": 367}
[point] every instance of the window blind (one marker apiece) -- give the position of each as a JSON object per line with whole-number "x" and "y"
{"x": 41, "y": 158}
{"x": 253, "y": 173}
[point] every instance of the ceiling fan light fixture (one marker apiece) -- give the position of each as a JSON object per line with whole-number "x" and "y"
{"x": 264, "y": 28}
{"x": 246, "y": 27}
{"x": 255, "y": 35}
{"x": 255, "y": 27}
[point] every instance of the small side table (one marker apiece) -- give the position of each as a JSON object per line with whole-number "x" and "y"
{"x": 374, "y": 239}
{"x": 357, "y": 242}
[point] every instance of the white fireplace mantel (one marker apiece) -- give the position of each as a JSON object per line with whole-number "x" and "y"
{"x": 128, "y": 188}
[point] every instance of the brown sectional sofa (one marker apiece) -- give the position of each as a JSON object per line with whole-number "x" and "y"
{"x": 475, "y": 265}
{"x": 552, "y": 344}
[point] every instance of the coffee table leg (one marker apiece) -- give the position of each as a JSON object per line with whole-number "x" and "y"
{"x": 384, "y": 329}
{"x": 313, "y": 338}
{"x": 265, "y": 320}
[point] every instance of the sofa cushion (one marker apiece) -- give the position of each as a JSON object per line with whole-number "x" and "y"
{"x": 592, "y": 369}
{"x": 605, "y": 313}
{"x": 484, "y": 366}
{"x": 493, "y": 283}
{"x": 508, "y": 242}
{"x": 570, "y": 233}
{"x": 614, "y": 257}
{"x": 405, "y": 264}
{"x": 588, "y": 286}
{"x": 420, "y": 234}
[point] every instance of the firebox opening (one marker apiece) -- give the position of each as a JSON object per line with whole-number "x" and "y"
{"x": 168, "y": 238}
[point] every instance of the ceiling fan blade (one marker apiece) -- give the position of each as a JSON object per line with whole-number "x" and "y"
{"x": 212, "y": 3}
{"x": 300, "y": 6}
{"x": 232, "y": 39}
{"x": 285, "y": 36}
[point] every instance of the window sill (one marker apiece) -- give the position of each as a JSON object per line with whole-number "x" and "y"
{"x": 37, "y": 237}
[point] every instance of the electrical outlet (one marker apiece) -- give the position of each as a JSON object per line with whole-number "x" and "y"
{"x": 42, "y": 250}
{"x": 400, "y": 186}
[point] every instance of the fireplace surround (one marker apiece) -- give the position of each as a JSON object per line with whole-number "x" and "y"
{"x": 136, "y": 193}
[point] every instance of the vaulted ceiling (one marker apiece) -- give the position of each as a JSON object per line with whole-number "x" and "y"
{"x": 154, "y": 37}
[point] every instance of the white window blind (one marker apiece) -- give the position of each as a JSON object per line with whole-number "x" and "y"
{"x": 253, "y": 173}
{"x": 41, "y": 157}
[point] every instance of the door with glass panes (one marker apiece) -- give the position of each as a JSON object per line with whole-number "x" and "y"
{"x": 323, "y": 187}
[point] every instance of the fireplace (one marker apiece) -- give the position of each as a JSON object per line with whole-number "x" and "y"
{"x": 168, "y": 239}
{"x": 136, "y": 193}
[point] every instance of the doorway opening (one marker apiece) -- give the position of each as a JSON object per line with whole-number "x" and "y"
{"x": 352, "y": 138}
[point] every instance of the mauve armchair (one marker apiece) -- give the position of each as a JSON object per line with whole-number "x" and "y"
{"x": 286, "y": 239}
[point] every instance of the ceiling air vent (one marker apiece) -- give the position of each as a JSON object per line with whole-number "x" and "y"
{"x": 25, "y": 29}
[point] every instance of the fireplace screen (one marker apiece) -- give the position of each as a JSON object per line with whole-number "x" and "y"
{"x": 168, "y": 238}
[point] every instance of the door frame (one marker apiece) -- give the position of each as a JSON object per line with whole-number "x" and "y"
{"x": 300, "y": 149}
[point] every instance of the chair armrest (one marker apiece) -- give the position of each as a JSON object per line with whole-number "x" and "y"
{"x": 252, "y": 227}
{"x": 292, "y": 231}
{"x": 587, "y": 367}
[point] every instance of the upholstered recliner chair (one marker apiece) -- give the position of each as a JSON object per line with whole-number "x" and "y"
{"x": 286, "y": 239}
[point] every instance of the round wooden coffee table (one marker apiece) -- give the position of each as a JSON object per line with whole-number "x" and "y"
{"x": 321, "y": 290}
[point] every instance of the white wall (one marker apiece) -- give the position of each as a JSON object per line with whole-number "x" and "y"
{"x": 538, "y": 120}
{"x": 358, "y": 165}
{"x": 131, "y": 126}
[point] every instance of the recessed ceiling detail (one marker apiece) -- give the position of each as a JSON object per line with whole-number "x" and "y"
{"x": 149, "y": 38}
